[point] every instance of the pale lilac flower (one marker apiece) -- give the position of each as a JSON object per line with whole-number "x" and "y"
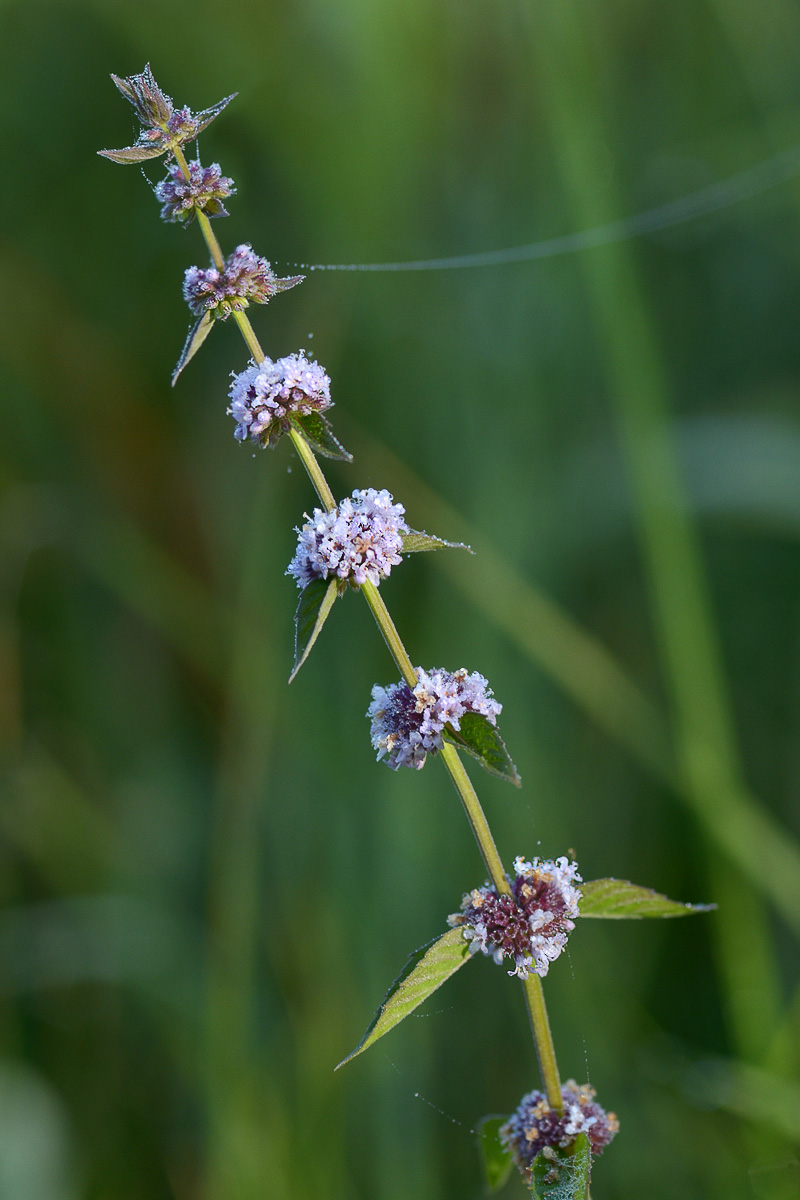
{"x": 203, "y": 191}
{"x": 264, "y": 396}
{"x": 164, "y": 127}
{"x": 246, "y": 278}
{"x": 360, "y": 540}
{"x": 408, "y": 724}
{"x": 536, "y": 1125}
{"x": 531, "y": 926}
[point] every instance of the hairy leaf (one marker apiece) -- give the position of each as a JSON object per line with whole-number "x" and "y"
{"x": 426, "y": 970}
{"x": 205, "y": 117}
{"x": 318, "y": 433}
{"x": 413, "y": 542}
{"x": 482, "y": 740}
{"x": 495, "y": 1158}
{"x": 562, "y": 1174}
{"x": 196, "y": 336}
{"x": 619, "y": 899}
{"x": 134, "y": 154}
{"x": 316, "y": 601}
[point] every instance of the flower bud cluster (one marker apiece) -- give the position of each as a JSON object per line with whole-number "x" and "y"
{"x": 164, "y": 127}
{"x": 536, "y": 1125}
{"x": 408, "y": 723}
{"x": 264, "y": 396}
{"x": 246, "y": 278}
{"x": 203, "y": 191}
{"x": 359, "y": 540}
{"x": 531, "y": 926}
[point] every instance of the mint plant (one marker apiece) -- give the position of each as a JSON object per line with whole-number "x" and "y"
{"x": 521, "y": 919}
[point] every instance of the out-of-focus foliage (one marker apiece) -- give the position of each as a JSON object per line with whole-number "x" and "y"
{"x": 207, "y": 883}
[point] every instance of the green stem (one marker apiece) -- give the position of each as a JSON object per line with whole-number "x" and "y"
{"x": 390, "y": 635}
{"x": 248, "y": 333}
{"x": 534, "y": 996}
{"x": 476, "y": 817}
{"x": 308, "y": 459}
{"x": 543, "y": 1041}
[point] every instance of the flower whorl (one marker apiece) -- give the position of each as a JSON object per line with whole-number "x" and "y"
{"x": 530, "y": 926}
{"x": 360, "y": 540}
{"x": 408, "y": 723}
{"x": 263, "y": 396}
{"x": 536, "y": 1125}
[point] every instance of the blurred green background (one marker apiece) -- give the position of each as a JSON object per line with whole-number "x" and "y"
{"x": 207, "y": 883}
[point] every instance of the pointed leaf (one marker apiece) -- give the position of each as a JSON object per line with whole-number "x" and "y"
{"x": 426, "y": 970}
{"x": 205, "y": 117}
{"x": 415, "y": 541}
{"x": 135, "y": 154}
{"x": 482, "y": 740}
{"x": 495, "y": 1158}
{"x": 319, "y": 435}
{"x": 562, "y": 1174}
{"x": 194, "y": 340}
{"x": 316, "y": 601}
{"x": 618, "y": 899}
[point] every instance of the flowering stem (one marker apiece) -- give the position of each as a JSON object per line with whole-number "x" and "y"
{"x": 248, "y": 333}
{"x": 476, "y": 817}
{"x": 543, "y": 1041}
{"x": 202, "y": 219}
{"x": 534, "y": 996}
{"x": 308, "y": 459}
{"x": 390, "y": 635}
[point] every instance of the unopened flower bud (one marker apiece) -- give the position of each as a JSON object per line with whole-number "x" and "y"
{"x": 164, "y": 128}
{"x": 246, "y": 278}
{"x": 530, "y": 926}
{"x": 203, "y": 191}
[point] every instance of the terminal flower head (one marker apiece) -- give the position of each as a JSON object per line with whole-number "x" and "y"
{"x": 530, "y": 926}
{"x": 408, "y": 723}
{"x": 536, "y": 1125}
{"x": 246, "y": 278}
{"x": 359, "y": 540}
{"x": 164, "y": 127}
{"x": 264, "y": 396}
{"x": 203, "y": 191}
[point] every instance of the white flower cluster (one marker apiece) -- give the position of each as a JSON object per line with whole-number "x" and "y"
{"x": 407, "y": 723}
{"x": 360, "y": 540}
{"x": 263, "y": 396}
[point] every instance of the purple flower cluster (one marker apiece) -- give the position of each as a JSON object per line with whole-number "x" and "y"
{"x": 531, "y": 926}
{"x": 408, "y": 723}
{"x": 164, "y": 127}
{"x": 359, "y": 540}
{"x": 203, "y": 191}
{"x": 536, "y": 1125}
{"x": 246, "y": 278}
{"x": 264, "y": 396}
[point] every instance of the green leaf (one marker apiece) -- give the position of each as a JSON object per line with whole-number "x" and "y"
{"x": 495, "y": 1158}
{"x": 619, "y": 899}
{"x": 195, "y": 338}
{"x": 318, "y": 433}
{"x": 413, "y": 542}
{"x": 482, "y": 740}
{"x": 562, "y": 1174}
{"x": 426, "y": 970}
{"x": 316, "y": 601}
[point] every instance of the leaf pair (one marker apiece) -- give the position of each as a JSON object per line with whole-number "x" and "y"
{"x": 429, "y": 967}
{"x": 316, "y": 599}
